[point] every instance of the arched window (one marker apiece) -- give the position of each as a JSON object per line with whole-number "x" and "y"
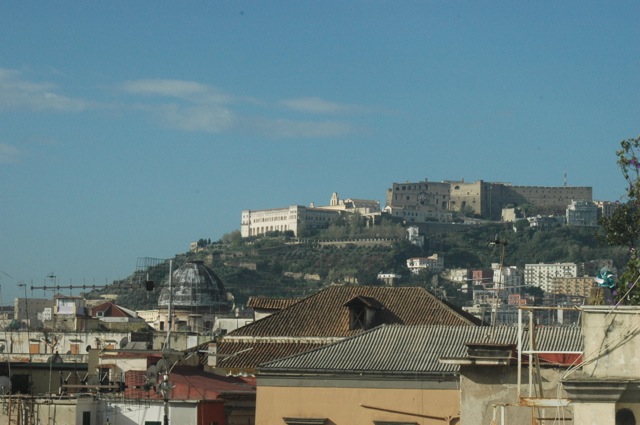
{"x": 625, "y": 417}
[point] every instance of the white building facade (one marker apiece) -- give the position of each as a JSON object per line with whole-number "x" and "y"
{"x": 433, "y": 263}
{"x": 293, "y": 218}
{"x": 582, "y": 213}
{"x": 542, "y": 275}
{"x": 507, "y": 276}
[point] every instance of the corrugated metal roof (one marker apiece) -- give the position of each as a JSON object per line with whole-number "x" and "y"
{"x": 415, "y": 349}
{"x": 246, "y": 356}
{"x": 324, "y": 314}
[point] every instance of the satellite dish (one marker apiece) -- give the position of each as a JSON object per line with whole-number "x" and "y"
{"x": 56, "y": 358}
{"x": 123, "y": 342}
{"x": 151, "y": 376}
{"x": 162, "y": 366}
{"x": 5, "y": 385}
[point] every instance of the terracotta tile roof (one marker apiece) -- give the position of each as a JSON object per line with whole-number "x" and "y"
{"x": 324, "y": 314}
{"x": 244, "y": 356}
{"x": 110, "y": 309}
{"x": 270, "y": 303}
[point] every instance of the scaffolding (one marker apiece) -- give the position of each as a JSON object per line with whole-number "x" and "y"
{"x": 19, "y": 409}
{"x": 535, "y": 397}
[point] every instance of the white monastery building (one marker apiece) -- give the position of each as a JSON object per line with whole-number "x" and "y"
{"x": 295, "y": 217}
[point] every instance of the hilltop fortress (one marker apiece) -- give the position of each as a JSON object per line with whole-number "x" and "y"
{"x": 482, "y": 198}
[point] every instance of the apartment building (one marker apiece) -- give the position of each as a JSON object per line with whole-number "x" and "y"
{"x": 458, "y": 275}
{"x": 606, "y": 208}
{"x": 572, "y": 286}
{"x": 506, "y": 276}
{"x": 541, "y": 275}
{"x": 582, "y": 213}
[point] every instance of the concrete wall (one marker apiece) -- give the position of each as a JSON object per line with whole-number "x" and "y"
{"x": 17, "y": 344}
{"x": 611, "y": 342}
{"x": 138, "y": 412}
{"x": 609, "y": 379}
{"x": 485, "y": 387}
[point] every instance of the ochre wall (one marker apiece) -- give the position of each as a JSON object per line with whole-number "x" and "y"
{"x": 344, "y": 406}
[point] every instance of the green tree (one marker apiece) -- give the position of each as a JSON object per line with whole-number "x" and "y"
{"x": 535, "y": 292}
{"x": 623, "y": 227}
{"x": 233, "y": 238}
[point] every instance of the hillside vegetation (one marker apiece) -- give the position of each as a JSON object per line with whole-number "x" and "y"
{"x": 278, "y": 265}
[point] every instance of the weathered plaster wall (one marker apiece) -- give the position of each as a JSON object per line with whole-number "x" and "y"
{"x": 485, "y": 387}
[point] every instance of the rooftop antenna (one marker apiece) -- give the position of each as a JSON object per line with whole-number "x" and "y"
{"x": 564, "y": 181}
{"x": 496, "y": 241}
{"x": 53, "y": 285}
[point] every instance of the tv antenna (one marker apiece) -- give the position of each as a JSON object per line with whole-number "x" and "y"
{"x": 495, "y": 242}
{"x": 54, "y": 286}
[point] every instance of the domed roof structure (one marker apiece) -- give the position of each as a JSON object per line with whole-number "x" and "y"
{"x": 194, "y": 286}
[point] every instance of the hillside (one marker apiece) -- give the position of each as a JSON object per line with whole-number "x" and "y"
{"x": 277, "y": 266}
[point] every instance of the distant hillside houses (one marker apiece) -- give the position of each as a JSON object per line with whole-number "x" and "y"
{"x": 433, "y": 263}
{"x": 582, "y": 213}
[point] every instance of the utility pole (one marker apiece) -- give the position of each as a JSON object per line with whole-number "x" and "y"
{"x": 169, "y": 321}
{"x": 26, "y": 313}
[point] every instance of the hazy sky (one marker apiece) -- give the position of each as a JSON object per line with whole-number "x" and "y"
{"x": 130, "y": 128}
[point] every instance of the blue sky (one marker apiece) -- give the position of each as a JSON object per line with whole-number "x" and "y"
{"x": 129, "y": 129}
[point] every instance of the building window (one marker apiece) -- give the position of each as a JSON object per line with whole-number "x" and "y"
{"x": 362, "y": 312}
{"x": 357, "y": 317}
{"x": 305, "y": 421}
{"x": 394, "y": 423}
{"x": 625, "y": 417}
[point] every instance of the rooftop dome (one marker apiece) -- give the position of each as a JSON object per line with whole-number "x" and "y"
{"x": 194, "y": 286}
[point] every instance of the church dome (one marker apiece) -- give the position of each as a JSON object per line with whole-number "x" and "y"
{"x": 194, "y": 286}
